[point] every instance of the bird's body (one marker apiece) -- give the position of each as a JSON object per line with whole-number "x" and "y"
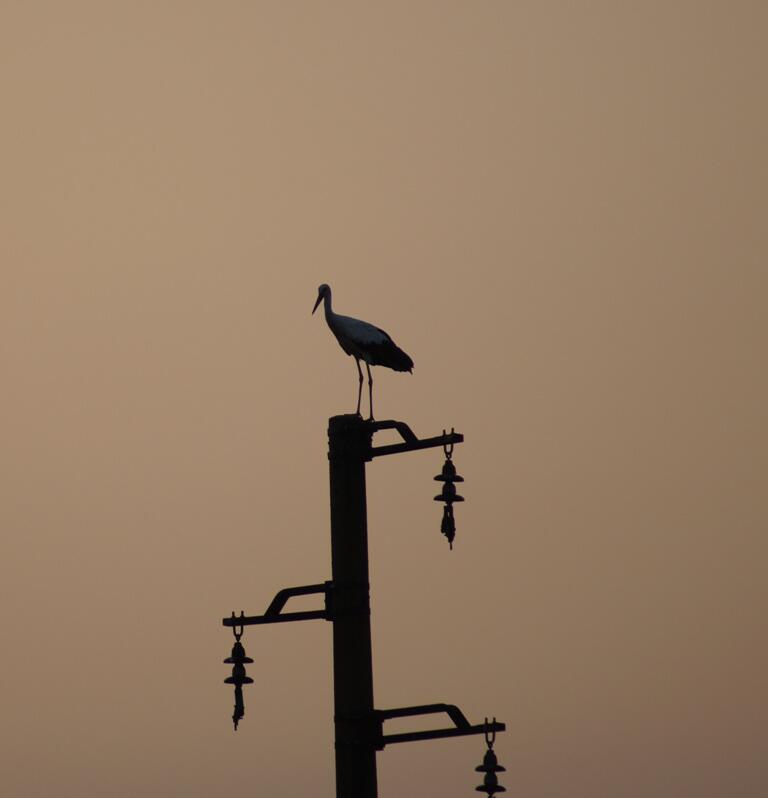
{"x": 363, "y": 341}
{"x": 368, "y": 343}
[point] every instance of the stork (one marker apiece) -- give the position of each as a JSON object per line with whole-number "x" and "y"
{"x": 364, "y": 342}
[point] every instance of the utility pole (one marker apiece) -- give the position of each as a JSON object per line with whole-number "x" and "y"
{"x": 349, "y": 446}
{"x": 359, "y": 727}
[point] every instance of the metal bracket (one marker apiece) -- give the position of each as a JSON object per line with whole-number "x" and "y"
{"x": 410, "y": 442}
{"x": 461, "y": 725}
{"x": 341, "y": 600}
{"x": 274, "y": 612}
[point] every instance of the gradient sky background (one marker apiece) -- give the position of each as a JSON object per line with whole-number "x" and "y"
{"x": 559, "y": 210}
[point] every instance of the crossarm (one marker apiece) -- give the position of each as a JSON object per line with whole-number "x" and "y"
{"x": 460, "y": 728}
{"x": 274, "y": 612}
{"x": 410, "y": 442}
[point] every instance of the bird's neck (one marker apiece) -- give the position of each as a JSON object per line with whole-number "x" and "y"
{"x": 327, "y": 306}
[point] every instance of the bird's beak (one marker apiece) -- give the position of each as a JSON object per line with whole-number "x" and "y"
{"x": 319, "y": 299}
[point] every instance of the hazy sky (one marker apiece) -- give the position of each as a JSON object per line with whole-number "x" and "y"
{"x": 558, "y": 209}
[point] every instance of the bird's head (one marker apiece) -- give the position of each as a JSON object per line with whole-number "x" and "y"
{"x": 323, "y": 291}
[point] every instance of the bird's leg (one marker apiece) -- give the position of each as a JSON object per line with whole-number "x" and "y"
{"x": 370, "y": 389}
{"x": 359, "y": 385}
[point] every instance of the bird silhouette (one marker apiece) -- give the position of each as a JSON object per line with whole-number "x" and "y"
{"x": 363, "y": 341}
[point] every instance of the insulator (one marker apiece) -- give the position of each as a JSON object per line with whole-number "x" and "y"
{"x": 490, "y": 763}
{"x": 238, "y": 675}
{"x": 490, "y": 767}
{"x": 490, "y": 785}
{"x": 448, "y": 474}
{"x": 449, "y": 494}
{"x": 238, "y": 655}
{"x": 238, "y": 660}
{"x": 448, "y": 525}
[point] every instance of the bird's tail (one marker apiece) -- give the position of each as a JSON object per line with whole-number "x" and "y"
{"x": 401, "y": 361}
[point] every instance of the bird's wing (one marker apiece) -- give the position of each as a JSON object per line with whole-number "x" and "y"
{"x": 362, "y": 332}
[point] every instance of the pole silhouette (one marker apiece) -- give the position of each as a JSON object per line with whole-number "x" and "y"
{"x": 349, "y": 445}
{"x": 358, "y": 725}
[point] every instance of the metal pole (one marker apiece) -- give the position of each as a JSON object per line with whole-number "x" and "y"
{"x": 349, "y": 440}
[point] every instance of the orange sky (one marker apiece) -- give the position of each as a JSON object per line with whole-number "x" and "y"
{"x": 558, "y": 210}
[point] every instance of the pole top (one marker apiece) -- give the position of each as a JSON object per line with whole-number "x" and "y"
{"x": 349, "y": 437}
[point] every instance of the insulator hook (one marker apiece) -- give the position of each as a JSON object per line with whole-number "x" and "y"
{"x": 448, "y": 447}
{"x": 241, "y": 627}
{"x": 489, "y": 733}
